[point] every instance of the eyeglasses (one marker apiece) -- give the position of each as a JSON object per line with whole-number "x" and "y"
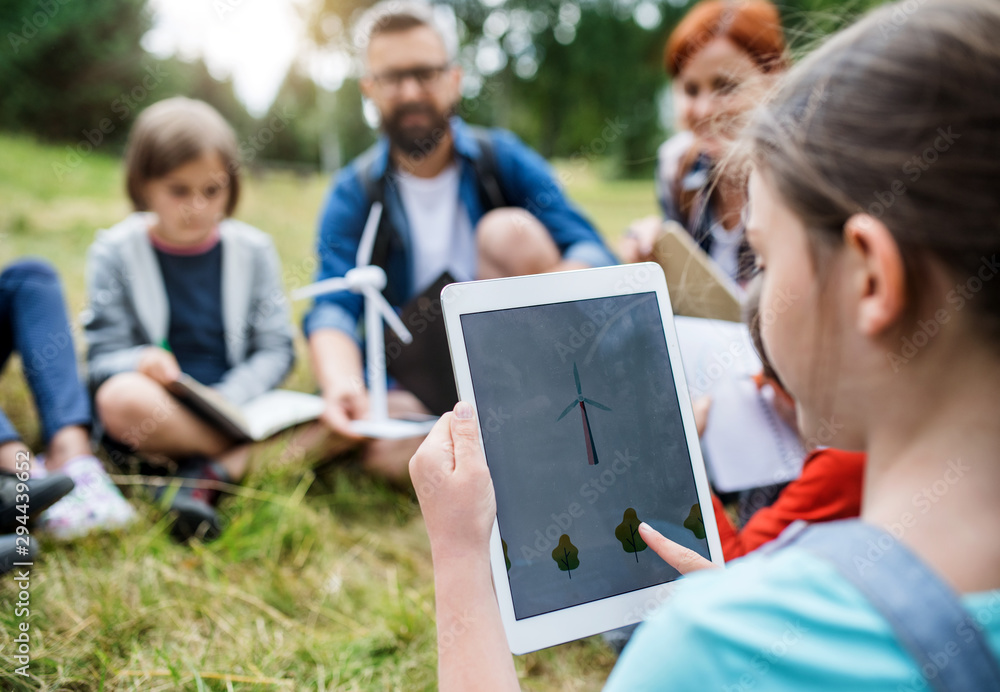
{"x": 393, "y": 80}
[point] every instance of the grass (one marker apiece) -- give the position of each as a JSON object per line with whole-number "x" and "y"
{"x": 322, "y": 581}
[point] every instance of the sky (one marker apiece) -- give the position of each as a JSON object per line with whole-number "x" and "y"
{"x": 253, "y": 41}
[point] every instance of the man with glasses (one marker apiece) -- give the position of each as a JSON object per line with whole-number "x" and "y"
{"x": 469, "y": 202}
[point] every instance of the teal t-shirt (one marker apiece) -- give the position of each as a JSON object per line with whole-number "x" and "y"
{"x": 785, "y": 622}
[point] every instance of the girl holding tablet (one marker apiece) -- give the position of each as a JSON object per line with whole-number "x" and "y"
{"x": 873, "y": 199}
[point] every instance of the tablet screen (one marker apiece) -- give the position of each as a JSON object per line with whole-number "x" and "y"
{"x": 583, "y": 436}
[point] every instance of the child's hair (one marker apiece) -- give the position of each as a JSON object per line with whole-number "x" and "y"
{"x": 752, "y": 318}
{"x": 171, "y": 133}
{"x": 898, "y": 117}
{"x": 753, "y": 25}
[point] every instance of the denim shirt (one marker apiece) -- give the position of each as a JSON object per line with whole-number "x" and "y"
{"x": 527, "y": 181}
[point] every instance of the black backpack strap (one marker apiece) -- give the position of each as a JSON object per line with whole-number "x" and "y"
{"x": 925, "y": 613}
{"x": 374, "y": 187}
{"x": 491, "y": 192}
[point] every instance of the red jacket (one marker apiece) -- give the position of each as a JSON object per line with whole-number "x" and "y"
{"x": 829, "y": 488}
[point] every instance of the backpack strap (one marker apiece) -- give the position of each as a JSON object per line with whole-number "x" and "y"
{"x": 490, "y": 188}
{"x": 924, "y": 612}
{"x": 374, "y": 187}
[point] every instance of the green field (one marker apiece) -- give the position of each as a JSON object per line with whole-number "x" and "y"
{"x": 322, "y": 580}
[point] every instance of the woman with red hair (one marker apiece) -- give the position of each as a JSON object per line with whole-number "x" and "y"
{"x": 720, "y": 59}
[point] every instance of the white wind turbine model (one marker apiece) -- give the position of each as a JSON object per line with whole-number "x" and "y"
{"x": 369, "y": 280}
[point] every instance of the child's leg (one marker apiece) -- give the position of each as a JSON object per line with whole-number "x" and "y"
{"x": 39, "y": 331}
{"x": 139, "y": 412}
{"x": 68, "y": 442}
{"x": 235, "y": 461}
{"x": 33, "y": 322}
{"x": 512, "y": 242}
{"x": 142, "y": 414}
{"x": 10, "y": 441}
{"x": 33, "y": 317}
{"x": 391, "y": 458}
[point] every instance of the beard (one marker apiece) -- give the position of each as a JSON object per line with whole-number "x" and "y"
{"x": 418, "y": 140}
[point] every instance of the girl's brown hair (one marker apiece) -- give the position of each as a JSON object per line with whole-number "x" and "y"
{"x": 899, "y": 117}
{"x": 171, "y": 133}
{"x": 753, "y": 25}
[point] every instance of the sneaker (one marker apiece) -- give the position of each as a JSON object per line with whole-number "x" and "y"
{"x": 95, "y": 503}
{"x": 193, "y": 505}
{"x": 41, "y": 494}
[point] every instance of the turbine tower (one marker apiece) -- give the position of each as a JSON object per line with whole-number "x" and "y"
{"x": 583, "y": 402}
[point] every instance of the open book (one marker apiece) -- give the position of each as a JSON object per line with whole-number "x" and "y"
{"x": 746, "y": 443}
{"x": 255, "y": 420}
{"x": 698, "y": 287}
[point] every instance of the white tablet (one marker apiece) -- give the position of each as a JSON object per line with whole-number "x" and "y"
{"x": 587, "y": 427}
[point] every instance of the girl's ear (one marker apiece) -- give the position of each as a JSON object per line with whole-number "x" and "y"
{"x": 878, "y": 277}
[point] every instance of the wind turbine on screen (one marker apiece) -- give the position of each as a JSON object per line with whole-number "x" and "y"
{"x": 583, "y": 402}
{"x": 369, "y": 280}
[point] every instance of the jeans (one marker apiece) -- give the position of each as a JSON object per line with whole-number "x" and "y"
{"x": 33, "y": 323}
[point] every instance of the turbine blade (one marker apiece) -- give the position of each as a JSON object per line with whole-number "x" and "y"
{"x": 576, "y": 376}
{"x": 367, "y": 243}
{"x": 388, "y": 314}
{"x": 319, "y": 288}
{"x": 594, "y": 403}
{"x": 566, "y": 412}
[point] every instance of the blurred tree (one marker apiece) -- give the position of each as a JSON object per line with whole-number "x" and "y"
{"x": 576, "y": 79}
{"x": 595, "y": 90}
{"x": 193, "y": 79}
{"x": 347, "y": 120}
{"x": 66, "y": 66}
{"x": 77, "y": 72}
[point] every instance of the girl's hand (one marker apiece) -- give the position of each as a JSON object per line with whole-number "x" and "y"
{"x": 682, "y": 559}
{"x": 641, "y": 236}
{"x": 159, "y": 365}
{"x": 454, "y": 487}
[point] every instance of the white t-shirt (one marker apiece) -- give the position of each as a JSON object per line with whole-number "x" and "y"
{"x": 726, "y": 249}
{"x": 440, "y": 229}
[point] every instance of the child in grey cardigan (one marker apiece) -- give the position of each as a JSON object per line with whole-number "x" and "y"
{"x": 178, "y": 287}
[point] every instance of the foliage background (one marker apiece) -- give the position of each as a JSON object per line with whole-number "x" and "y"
{"x": 554, "y": 71}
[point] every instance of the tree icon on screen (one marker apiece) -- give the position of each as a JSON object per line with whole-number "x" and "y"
{"x": 506, "y": 558}
{"x": 628, "y": 533}
{"x": 695, "y": 523}
{"x": 566, "y": 555}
